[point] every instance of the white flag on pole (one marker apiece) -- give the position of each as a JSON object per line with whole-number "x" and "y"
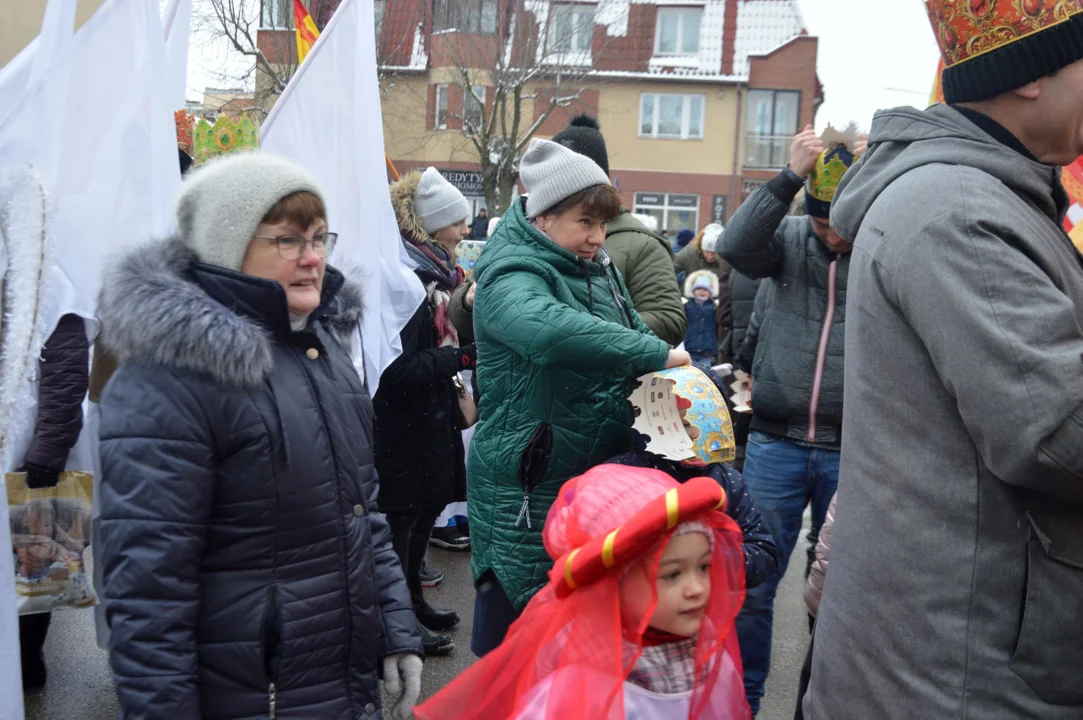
{"x": 112, "y": 176}
{"x": 328, "y": 120}
{"x": 177, "y": 22}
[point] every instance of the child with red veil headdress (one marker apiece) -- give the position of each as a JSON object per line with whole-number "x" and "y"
{"x": 637, "y": 620}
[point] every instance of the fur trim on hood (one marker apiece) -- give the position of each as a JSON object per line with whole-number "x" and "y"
{"x": 690, "y": 282}
{"x": 152, "y": 313}
{"x": 402, "y": 199}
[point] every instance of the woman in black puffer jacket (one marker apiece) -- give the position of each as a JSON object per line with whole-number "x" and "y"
{"x": 248, "y": 572}
{"x": 419, "y": 445}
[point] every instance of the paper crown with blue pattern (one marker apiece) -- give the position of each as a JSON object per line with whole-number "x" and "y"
{"x": 663, "y": 397}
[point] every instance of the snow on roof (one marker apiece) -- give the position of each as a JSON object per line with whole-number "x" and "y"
{"x": 762, "y": 27}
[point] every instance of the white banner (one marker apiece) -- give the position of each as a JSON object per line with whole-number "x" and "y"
{"x": 94, "y": 122}
{"x": 328, "y": 120}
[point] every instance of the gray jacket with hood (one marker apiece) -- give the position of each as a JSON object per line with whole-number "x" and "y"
{"x": 956, "y": 584}
{"x": 246, "y": 564}
{"x": 797, "y": 373}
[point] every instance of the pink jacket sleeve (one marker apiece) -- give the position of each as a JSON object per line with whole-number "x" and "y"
{"x": 814, "y": 588}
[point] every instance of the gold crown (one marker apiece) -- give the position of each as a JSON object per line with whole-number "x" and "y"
{"x": 223, "y": 137}
{"x": 827, "y": 174}
{"x": 966, "y": 29}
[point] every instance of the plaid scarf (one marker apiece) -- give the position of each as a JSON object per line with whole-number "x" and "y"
{"x": 666, "y": 669}
{"x": 440, "y": 275}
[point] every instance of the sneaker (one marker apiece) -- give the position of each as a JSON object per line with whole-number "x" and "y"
{"x": 430, "y": 578}
{"x": 464, "y": 529}
{"x": 449, "y": 538}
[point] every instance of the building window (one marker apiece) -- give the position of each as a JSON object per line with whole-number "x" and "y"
{"x": 440, "y": 121}
{"x": 671, "y": 116}
{"x": 276, "y": 14}
{"x": 674, "y": 212}
{"x": 677, "y": 31}
{"x": 380, "y": 7}
{"x": 571, "y": 29}
{"x": 770, "y": 126}
{"x": 474, "y": 16}
{"x": 473, "y": 107}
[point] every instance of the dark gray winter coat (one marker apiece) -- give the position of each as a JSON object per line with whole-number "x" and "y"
{"x": 791, "y": 396}
{"x": 956, "y": 581}
{"x": 742, "y": 301}
{"x": 241, "y": 542}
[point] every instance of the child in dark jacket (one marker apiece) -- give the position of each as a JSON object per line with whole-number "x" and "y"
{"x": 760, "y": 550}
{"x": 701, "y": 340}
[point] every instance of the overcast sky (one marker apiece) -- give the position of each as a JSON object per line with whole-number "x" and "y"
{"x": 873, "y": 54}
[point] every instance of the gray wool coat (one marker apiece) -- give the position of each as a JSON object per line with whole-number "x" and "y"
{"x": 240, "y": 539}
{"x": 956, "y": 580}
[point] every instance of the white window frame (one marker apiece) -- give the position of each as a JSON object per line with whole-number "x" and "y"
{"x": 665, "y": 207}
{"x": 468, "y": 97}
{"x": 441, "y": 89}
{"x": 276, "y": 14}
{"x": 579, "y": 26}
{"x": 681, "y": 13}
{"x": 480, "y": 17}
{"x": 686, "y": 116}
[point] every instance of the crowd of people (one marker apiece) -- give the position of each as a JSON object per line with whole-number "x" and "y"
{"x": 264, "y": 522}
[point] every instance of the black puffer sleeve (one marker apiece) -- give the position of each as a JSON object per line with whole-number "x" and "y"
{"x": 65, "y": 375}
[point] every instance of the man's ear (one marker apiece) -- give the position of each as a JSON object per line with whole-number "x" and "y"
{"x": 1030, "y": 91}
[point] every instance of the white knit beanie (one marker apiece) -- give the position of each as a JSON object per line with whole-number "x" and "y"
{"x": 551, "y": 173}
{"x": 223, "y": 202}
{"x": 438, "y": 202}
{"x": 711, "y": 234}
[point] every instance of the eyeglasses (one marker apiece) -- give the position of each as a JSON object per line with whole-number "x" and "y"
{"x": 292, "y": 247}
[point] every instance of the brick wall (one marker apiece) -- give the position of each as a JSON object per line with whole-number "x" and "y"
{"x": 791, "y": 67}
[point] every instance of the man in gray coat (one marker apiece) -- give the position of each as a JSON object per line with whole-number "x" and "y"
{"x": 956, "y": 580}
{"x": 792, "y": 456}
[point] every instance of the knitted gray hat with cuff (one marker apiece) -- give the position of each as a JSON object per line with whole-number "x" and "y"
{"x": 223, "y": 202}
{"x": 439, "y": 203}
{"x": 551, "y": 173}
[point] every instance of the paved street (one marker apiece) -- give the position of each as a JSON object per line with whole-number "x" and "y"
{"x": 80, "y": 686}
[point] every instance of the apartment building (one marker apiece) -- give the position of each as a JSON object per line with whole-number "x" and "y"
{"x": 698, "y": 99}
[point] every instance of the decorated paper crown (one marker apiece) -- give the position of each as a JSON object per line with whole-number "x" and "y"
{"x": 467, "y": 254}
{"x": 223, "y": 137}
{"x": 967, "y": 29}
{"x": 657, "y": 401}
{"x": 832, "y": 164}
{"x": 696, "y": 499}
{"x": 185, "y": 136}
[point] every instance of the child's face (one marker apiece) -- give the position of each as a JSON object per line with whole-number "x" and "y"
{"x": 684, "y": 586}
{"x": 702, "y": 295}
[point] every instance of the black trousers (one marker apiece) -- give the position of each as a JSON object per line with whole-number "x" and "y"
{"x": 410, "y": 530}
{"x": 32, "y": 632}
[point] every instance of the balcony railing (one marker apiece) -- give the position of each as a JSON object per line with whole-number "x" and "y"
{"x": 768, "y": 152}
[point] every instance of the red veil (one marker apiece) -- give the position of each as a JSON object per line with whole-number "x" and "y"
{"x": 568, "y": 656}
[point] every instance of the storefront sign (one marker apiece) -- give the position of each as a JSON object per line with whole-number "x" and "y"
{"x": 470, "y": 183}
{"x": 718, "y": 208}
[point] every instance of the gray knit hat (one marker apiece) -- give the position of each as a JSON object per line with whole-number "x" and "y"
{"x": 223, "y": 202}
{"x": 551, "y": 173}
{"x": 438, "y": 202}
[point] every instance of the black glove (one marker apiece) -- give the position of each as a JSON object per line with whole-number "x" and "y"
{"x": 468, "y": 357}
{"x": 39, "y": 476}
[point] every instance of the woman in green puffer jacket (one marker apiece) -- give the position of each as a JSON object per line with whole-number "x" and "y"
{"x": 559, "y": 347}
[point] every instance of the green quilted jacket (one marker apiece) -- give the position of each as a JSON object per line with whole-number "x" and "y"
{"x": 559, "y": 347}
